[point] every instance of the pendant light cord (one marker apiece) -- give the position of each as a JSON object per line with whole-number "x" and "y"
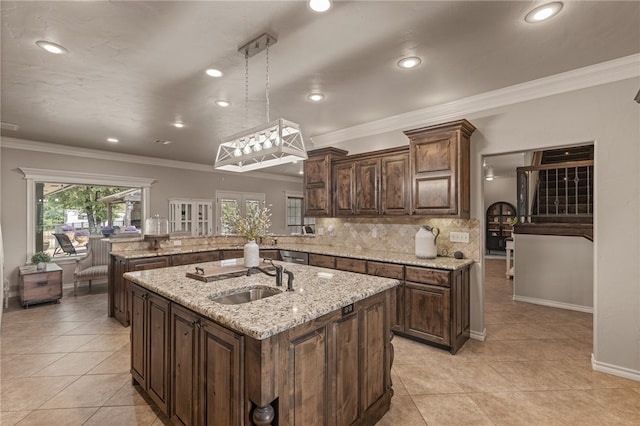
{"x": 246, "y": 87}
{"x": 267, "y": 83}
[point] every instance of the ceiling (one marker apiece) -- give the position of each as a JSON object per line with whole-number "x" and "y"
{"x": 133, "y": 68}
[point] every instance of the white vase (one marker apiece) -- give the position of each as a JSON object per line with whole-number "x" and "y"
{"x": 251, "y": 254}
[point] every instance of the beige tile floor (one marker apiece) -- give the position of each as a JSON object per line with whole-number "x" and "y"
{"x": 68, "y": 364}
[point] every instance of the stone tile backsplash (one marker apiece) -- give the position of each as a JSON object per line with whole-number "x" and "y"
{"x": 396, "y": 234}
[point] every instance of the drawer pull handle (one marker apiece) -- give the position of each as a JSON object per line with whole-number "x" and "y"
{"x": 42, "y": 283}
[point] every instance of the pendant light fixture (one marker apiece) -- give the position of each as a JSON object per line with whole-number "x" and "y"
{"x": 273, "y": 143}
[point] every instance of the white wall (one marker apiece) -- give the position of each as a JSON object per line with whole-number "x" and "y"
{"x": 500, "y": 189}
{"x": 170, "y": 182}
{"x": 607, "y": 115}
{"x": 554, "y": 271}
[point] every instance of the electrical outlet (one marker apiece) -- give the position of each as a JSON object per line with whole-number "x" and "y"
{"x": 459, "y": 237}
{"x": 374, "y": 233}
{"x": 320, "y": 230}
{"x": 177, "y": 242}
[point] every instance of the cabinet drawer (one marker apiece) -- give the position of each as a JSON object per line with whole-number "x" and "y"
{"x": 322, "y": 260}
{"x": 148, "y": 263}
{"x": 427, "y": 276}
{"x": 190, "y": 258}
{"x": 33, "y": 281}
{"x": 387, "y": 270}
{"x": 232, "y": 254}
{"x": 351, "y": 265}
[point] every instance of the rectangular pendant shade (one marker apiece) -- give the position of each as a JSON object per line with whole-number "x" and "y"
{"x": 271, "y": 144}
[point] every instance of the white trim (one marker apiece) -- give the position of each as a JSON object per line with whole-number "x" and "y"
{"x": 616, "y": 370}
{"x": 594, "y": 75}
{"x": 477, "y": 335}
{"x": 63, "y": 176}
{"x": 32, "y": 176}
{"x": 554, "y": 304}
{"x": 74, "y": 151}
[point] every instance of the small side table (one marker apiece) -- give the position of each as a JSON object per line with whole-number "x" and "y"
{"x": 510, "y": 256}
{"x": 38, "y": 286}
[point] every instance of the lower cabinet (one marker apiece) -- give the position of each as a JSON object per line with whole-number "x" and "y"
{"x": 334, "y": 370}
{"x": 150, "y": 344}
{"x": 206, "y": 371}
{"x": 118, "y": 289}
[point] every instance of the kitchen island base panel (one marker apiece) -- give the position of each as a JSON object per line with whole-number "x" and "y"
{"x": 334, "y": 369}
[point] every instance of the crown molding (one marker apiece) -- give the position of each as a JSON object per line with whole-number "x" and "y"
{"x": 581, "y": 78}
{"x": 96, "y": 154}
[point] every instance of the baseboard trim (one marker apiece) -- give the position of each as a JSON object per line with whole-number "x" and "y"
{"x": 554, "y": 304}
{"x": 478, "y": 335}
{"x": 615, "y": 370}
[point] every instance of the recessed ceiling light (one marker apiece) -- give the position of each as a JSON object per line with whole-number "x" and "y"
{"x": 544, "y": 12}
{"x": 410, "y": 62}
{"x": 178, "y": 124}
{"x": 315, "y": 97}
{"x": 113, "y": 140}
{"x": 212, "y": 72}
{"x": 52, "y": 47}
{"x": 319, "y": 5}
{"x": 162, "y": 142}
{"x": 223, "y": 103}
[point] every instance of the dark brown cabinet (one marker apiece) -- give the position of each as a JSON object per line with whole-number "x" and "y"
{"x": 395, "y": 189}
{"x": 149, "y": 344}
{"x": 391, "y": 270}
{"x": 322, "y": 260}
{"x": 191, "y": 258}
{"x": 439, "y": 161}
{"x": 118, "y": 289}
{"x": 206, "y": 371}
{"x": 344, "y": 187}
{"x": 317, "y": 181}
{"x": 367, "y": 188}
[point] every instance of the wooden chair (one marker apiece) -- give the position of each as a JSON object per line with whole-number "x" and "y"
{"x": 93, "y": 266}
{"x": 64, "y": 244}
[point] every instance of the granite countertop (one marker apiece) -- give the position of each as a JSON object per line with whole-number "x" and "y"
{"x": 313, "y": 296}
{"x": 448, "y": 263}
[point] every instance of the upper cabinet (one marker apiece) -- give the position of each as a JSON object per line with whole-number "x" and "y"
{"x": 430, "y": 177}
{"x": 317, "y": 181}
{"x": 439, "y": 161}
{"x": 191, "y": 215}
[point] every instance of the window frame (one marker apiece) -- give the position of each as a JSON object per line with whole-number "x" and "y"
{"x": 241, "y": 198}
{"x": 32, "y": 175}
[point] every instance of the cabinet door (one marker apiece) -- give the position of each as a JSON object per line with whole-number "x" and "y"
{"x": 120, "y": 296}
{"x": 427, "y": 312}
{"x": 460, "y": 306}
{"x": 316, "y": 183}
{"x": 395, "y": 190}
{"x": 221, "y": 375}
{"x": 139, "y": 335}
{"x": 391, "y": 270}
{"x": 434, "y": 164}
{"x": 184, "y": 365}
{"x": 346, "y": 335}
{"x": 158, "y": 350}
{"x": 367, "y": 189}
{"x": 344, "y": 186}
{"x": 374, "y": 362}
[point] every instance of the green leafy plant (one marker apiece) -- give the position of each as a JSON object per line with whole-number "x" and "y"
{"x": 40, "y": 257}
{"x": 253, "y": 225}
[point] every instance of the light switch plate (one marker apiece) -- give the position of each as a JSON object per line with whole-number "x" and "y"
{"x": 177, "y": 242}
{"x": 459, "y": 237}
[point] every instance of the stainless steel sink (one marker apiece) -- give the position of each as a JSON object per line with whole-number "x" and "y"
{"x": 245, "y": 296}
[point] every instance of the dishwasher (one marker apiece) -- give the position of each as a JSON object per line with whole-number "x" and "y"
{"x": 298, "y": 257}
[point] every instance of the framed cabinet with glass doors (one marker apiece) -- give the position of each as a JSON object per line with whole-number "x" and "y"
{"x": 192, "y": 216}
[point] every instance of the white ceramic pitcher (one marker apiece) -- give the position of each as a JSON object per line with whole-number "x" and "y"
{"x": 426, "y": 247}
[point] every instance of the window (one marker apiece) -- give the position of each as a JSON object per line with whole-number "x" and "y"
{"x": 233, "y": 200}
{"x": 36, "y": 178}
{"x": 296, "y": 223}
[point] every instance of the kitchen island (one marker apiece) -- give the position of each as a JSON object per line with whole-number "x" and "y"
{"x": 320, "y": 354}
